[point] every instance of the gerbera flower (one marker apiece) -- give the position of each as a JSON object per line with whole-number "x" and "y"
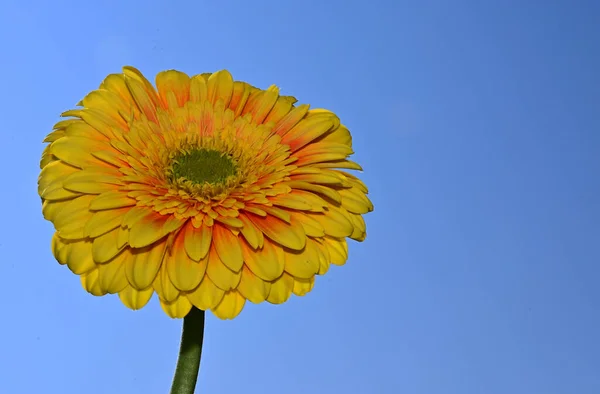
{"x": 205, "y": 190}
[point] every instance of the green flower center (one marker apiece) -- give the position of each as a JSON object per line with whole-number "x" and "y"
{"x": 201, "y": 166}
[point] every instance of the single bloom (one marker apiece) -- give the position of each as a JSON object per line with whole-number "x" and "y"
{"x": 206, "y": 191}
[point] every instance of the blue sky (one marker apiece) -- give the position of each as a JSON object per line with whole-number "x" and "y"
{"x": 477, "y": 125}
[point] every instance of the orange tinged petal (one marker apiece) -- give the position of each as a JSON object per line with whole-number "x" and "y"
{"x": 135, "y": 299}
{"x": 252, "y": 287}
{"x": 289, "y": 235}
{"x": 151, "y": 227}
{"x": 291, "y": 119}
{"x": 142, "y": 265}
{"x": 206, "y": 296}
{"x": 197, "y": 241}
{"x": 265, "y": 262}
{"x": 228, "y": 248}
{"x": 260, "y": 104}
{"x": 173, "y": 82}
{"x": 281, "y": 289}
{"x": 230, "y": 306}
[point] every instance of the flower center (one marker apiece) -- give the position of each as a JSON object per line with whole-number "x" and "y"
{"x": 201, "y": 166}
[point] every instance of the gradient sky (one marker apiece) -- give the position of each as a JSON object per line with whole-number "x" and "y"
{"x": 477, "y": 124}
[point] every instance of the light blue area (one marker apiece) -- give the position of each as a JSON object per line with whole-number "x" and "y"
{"x": 477, "y": 123}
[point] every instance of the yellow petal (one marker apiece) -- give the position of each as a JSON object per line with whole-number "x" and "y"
{"x": 281, "y": 289}
{"x": 71, "y": 219}
{"x": 228, "y": 248}
{"x": 184, "y": 272}
{"x": 338, "y": 250}
{"x": 79, "y": 256}
{"x": 112, "y": 274}
{"x": 143, "y": 264}
{"x": 54, "y": 173}
{"x": 302, "y": 264}
{"x": 241, "y": 93}
{"x": 103, "y": 221}
{"x": 230, "y": 306}
{"x": 324, "y": 258}
{"x": 105, "y": 247}
{"x": 91, "y": 284}
{"x": 328, "y": 192}
{"x": 218, "y": 272}
{"x": 76, "y": 151}
{"x": 198, "y": 89}
{"x": 308, "y": 130}
{"x": 264, "y": 263}
{"x": 312, "y": 228}
{"x": 303, "y": 286}
{"x": 334, "y": 223}
{"x": 206, "y": 296}
{"x": 220, "y": 87}
{"x": 135, "y": 299}
{"x": 112, "y": 200}
{"x": 250, "y": 232}
{"x": 197, "y": 241}
{"x": 177, "y": 309}
{"x": 289, "y": 235}
{"x": 355, "y": 201}
{"x": 252, "y": 287}
{"x": 91, "y": 182}
{"x": 163, "y": 285}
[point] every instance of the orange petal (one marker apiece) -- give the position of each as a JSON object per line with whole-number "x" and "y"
{"x": 228, "y": 248}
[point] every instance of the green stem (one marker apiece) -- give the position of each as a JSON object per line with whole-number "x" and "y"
{"x": 188, "y": 363}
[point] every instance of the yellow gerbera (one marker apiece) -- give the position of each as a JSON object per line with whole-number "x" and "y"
{"x": 206, "y": 190}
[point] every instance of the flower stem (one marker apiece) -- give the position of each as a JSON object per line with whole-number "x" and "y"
{"x": 188, "y": 363}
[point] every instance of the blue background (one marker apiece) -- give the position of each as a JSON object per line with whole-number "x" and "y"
{"x": 477, "y": 123}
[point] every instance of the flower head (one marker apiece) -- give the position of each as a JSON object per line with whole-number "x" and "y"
{"x": 205, "y": 190}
